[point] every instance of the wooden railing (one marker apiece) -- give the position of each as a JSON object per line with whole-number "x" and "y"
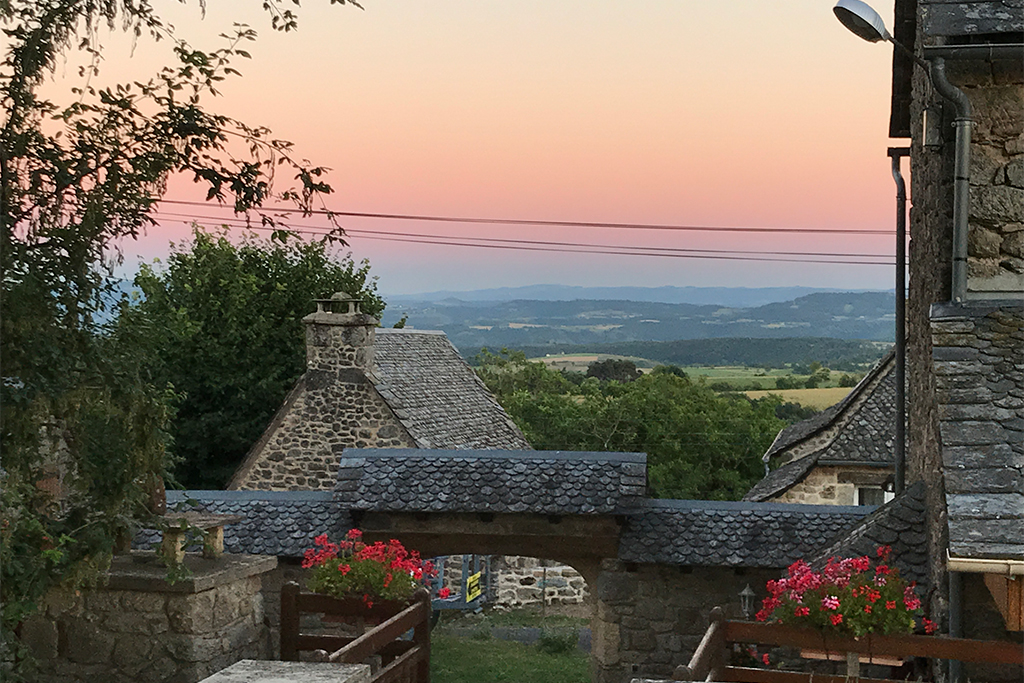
{"x": 402, "y": 661}
{"x": 710, "y": 662}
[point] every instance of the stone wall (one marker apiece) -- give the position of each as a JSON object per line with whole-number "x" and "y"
{"x": 140, "y": 628}
{"x": 833, "y": 485}
{"x": 650, "y": 618}
{"x": 301, "y": 448}
{"x": 996, "y": 222}
{"x": 525, "y": 581}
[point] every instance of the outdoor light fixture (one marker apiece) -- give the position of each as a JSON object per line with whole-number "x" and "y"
{"x": 862, "y": 20}
{"x": 865, "y": 22}
{"x": 747, "y": 601}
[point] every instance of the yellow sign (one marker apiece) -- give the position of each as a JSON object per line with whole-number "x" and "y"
{"x": 473, "y": 589}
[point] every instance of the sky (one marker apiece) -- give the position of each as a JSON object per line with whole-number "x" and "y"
{"x": 732, "y": 113}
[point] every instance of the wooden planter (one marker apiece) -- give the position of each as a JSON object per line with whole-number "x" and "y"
{"x": 402, "y": 661}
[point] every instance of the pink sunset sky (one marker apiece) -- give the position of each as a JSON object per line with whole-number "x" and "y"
{"x": 716, "y": 113}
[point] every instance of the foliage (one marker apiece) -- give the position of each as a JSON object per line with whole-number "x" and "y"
{"x": 83, "y": 438}
{"x": 794, "y": 412}
{"x": 613, "y": 369}
{"x": 851, "y": 597}
{"x": 227, "y": 333}
{"x": 557, "y": 642}
{"x": 351, "y": 568}
{"x": 698, "y": 444}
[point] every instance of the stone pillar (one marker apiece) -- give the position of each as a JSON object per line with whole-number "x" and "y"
{"x": 138, "y": 627}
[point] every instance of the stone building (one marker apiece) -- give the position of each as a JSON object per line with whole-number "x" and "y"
{"x": 370, "y": 387}
{"x": 841, "y": 456}
{"x": 966, "y": 334}
{"x": 656, "y": 568}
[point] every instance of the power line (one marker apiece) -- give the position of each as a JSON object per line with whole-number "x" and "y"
{"x": 356, "y": 231}
{"x": 568, "y": 224}
{"x": 546, "y": 247}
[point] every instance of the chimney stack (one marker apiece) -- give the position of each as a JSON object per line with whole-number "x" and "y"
{"x": 339, "y": 337}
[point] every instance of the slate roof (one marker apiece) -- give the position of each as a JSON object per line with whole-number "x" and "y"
{"x": 865, "y": 432}
{"x": 900, "y": 524}
{"x": 542, "y": 482}
{"x": 816, "y": 424}
{"x": 279, "y": 523}
{"x": 436, "y": 395}
{"x": 735, "y": 534}
{"x": 978, "y": 356}
{"x": 782, "y": 479}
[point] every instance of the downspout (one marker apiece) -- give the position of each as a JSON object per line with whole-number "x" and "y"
{"x": 961, "y": 174}
{"x": 955, "y": 622}
{"x": 900, "y": 455}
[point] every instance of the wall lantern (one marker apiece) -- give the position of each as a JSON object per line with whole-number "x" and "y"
{"x": 747, "y": 597}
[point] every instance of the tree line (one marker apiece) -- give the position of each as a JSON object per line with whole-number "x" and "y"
{"x": 699, "y": 444}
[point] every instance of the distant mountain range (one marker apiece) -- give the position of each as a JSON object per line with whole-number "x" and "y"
{"x": 743, "y": 297}
{"x": 539, "y": 323}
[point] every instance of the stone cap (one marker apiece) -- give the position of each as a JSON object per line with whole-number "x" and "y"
{"x": 143, "y": 570}
{"x": 262, "y": 671}
{"x": 340, "y": 308}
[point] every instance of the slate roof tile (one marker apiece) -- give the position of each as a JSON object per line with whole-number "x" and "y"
{"x": 436, "y": 395}
{"x": 866, "y": 431}
{"x": 980, "y": 417}
{"x": 900, "y": 523}
{"x": 739, "y": 534}
{"x": 550, "y": 482}
{"x": 279, "y": 523}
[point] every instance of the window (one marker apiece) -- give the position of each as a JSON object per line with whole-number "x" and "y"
{"x": 873, "y": 496}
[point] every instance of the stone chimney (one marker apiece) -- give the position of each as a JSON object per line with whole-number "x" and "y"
{"x": 339, "y": 340}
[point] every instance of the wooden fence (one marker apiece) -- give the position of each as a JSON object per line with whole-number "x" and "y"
{"x": 402, "y": 661}
{"x": 710, "y": 662}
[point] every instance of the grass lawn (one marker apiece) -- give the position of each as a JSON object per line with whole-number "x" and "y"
{"x": 812, "y": 398}
{"x": 472, "y": 660}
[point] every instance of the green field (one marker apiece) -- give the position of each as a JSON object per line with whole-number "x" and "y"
{"x": 818, "y": 399}
{"x": 738, "y": 377}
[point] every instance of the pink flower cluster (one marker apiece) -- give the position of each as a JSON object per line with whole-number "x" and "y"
{"x": 354, "y": 568}
{"x": 842, "y": 597}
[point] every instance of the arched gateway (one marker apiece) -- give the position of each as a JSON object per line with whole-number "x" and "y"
{"x": 654, "y": 567}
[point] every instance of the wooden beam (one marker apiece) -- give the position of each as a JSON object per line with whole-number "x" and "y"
{"x": 1008, "y": 592}
{"x": 935, "y": 647}
{"x": 738, "y": 674}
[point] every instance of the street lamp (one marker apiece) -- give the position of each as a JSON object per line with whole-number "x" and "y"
{"x": 862, "y": 20}
{"x": 865, "y": 22}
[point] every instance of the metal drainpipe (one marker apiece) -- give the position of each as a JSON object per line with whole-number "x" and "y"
{"x": 961, "y": 174}
{"x": 897, "y": 154}
{"x": 955, "y": 622}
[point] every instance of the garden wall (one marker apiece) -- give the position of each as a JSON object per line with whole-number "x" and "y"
{"x": 140, "y": 628}
{"x": 650, "y": 618}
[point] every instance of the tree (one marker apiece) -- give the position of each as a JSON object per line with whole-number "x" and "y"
{"x": 230, "y": 338}
{"x": 699, "y": 444}
{"x": 613, "y": 369}
{"x": 83, "y": 439}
